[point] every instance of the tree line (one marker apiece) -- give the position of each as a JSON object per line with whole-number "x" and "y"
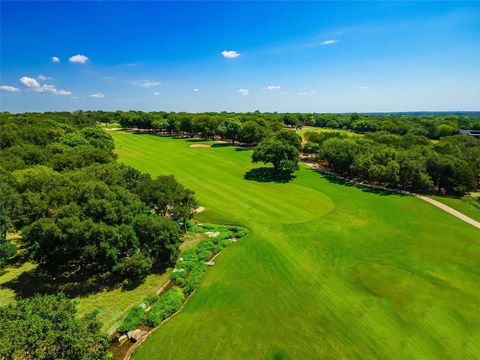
{"x": 409, "y": 162}
{"x": 231, "y": 125}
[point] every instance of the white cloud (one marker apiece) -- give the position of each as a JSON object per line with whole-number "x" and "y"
{"x": 97, "y": 95}
{"x": 78, "y": 59}
{"x": 33, "y": 85}
{"x": 328, "y": 42}
{"x": 363, "y": 87}
{"x": 196, "y": 90}
{"x": 147, "y": 84}
{"x": 271, "y": 87}
{"x": 9, "y": 88}
{"x": 230, "y": 54}
{"x": 29, "y": 82}
{"x": 304, "y": 93}
{"x": 55, "y": 59}
{"x": 63, "y": 92}
{"x": 156, "y": 93}
{"x": 51, "y": 89}
{"x": 243, "y": 92}
{"x": 43, "y": 77}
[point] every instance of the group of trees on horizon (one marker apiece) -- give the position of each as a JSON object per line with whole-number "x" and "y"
{"x": 230, "y": 125}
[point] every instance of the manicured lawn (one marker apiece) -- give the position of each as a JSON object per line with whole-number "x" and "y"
{"x": 330, "y": 271}
{"x": 462, "y": 204}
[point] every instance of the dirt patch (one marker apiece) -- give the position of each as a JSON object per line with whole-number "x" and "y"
{"x": 199, "y": 209}
{"x": 200, "y": 145}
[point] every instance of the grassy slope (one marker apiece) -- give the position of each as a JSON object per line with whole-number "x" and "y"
{"x": 460, "y": 204}
{"x": 329, "y": 271}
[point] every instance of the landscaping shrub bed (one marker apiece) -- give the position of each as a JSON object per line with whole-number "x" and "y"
{"x": 134, "y": 318}
{"x": 191, "y": 265}
{"x": 166, "y": 305}
{"x": 187, "y": 275}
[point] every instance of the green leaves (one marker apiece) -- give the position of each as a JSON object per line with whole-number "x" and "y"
{"x": 47, "y": 327}
{"x": 280, "y": 153}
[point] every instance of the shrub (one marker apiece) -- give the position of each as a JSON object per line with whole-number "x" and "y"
{"x": 150, "y": 299}
{"x": 133, "y": 319}
{"x": 194, "y": 278}
{"x": 7, "y": 250}
{"x": 225, "y": 234}
{"x": 224, "y": 243}
{"x": 166, "y": 305}
{"x": 241, "y": 233}
{"x": 178, "y": 277}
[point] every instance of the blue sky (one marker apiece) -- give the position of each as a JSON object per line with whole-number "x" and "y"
{"x": 194, "y": 56}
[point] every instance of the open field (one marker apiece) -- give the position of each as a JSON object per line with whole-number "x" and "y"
{"x": 462, "y": 204}
{"x": 330, "y": 270}
{"x": 323, "y": 130}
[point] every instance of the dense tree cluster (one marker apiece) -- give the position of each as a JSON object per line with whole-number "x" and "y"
{"x": 251, "y": 128}
{"x": 410, "y": 162}
{"x": 47, "y": 327}
{"x": 79, "y": 209}
{"x": 247, "y": 128}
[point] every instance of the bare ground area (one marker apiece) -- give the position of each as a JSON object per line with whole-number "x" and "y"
{"x": 200, "y": 145}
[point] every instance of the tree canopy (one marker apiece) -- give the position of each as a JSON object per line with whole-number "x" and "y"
{"x": 78, "y": 209}
{"x": 48, "y": 327}
{"x": 281, "y": 154}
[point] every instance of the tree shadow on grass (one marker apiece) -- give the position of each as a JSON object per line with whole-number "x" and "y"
{"x": 339, "y": 181}
{"x": 243, "y": 148}
{"x": 265, "y": 174}
{"x": 220, "y": 145}
{"x": 82, "y": 282}
{"x": 142, "y": 133}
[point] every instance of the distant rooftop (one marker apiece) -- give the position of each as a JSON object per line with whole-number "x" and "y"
{"x": 474, "y": 133}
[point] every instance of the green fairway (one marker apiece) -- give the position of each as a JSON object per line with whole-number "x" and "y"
{"x": 330, "y": 271}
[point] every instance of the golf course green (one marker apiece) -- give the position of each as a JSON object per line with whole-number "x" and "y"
{"x": 329, "y": 271}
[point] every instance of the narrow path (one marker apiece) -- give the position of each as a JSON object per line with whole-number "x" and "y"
{"x": 448, "y": 209}
{"x": 436, "y": 203}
